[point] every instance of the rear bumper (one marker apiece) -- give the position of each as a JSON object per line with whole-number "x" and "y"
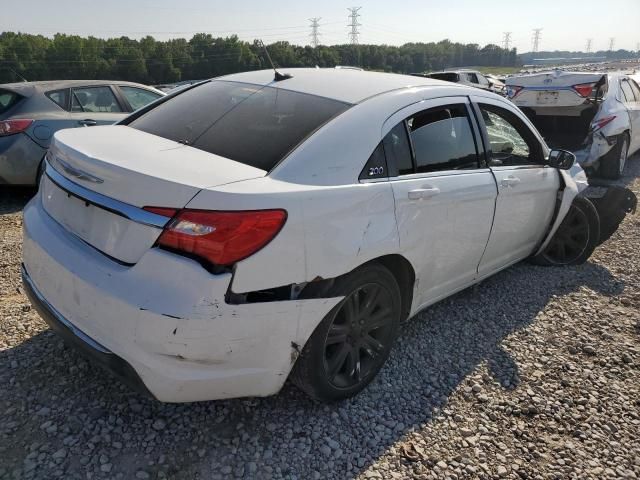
{"x": 80, "y": 340}
{"x": 19, "y": 160}
{"x": 165, "y": 317}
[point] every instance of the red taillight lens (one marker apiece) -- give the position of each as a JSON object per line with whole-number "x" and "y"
{"x": 222, "y": 238}
{"x": 598, "y": 124}
{"x": 513, "y": 90}
{"x": 584, "y": 89}
{"x": 10, "y": 127}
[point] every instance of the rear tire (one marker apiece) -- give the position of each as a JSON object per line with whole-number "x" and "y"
{"x": 612, "y": 164}
{"x": 352, "y": 343}
{"x": 576, "y": 238}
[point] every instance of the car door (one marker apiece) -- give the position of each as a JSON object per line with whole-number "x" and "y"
{"x": 96, "y": 105}
{"x": 444, "y": 194}
{"x": 632, "y": 94}
{"x": 527, "y": 189}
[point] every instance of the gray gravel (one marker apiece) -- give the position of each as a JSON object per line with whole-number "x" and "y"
{"x": 535, "y": 373}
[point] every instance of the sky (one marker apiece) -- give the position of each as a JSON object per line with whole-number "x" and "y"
{"x": 566, "y": 25}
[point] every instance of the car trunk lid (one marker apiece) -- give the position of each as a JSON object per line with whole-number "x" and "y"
{"x": 552, "y": 89}
{"x": 100, "y": 179}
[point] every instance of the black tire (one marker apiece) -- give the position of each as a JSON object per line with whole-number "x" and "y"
{"x": 612, "y": 164}
{"x": 576, "y": 238}
{"x": 348, "y": 348}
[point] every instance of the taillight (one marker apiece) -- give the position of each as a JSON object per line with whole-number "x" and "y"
{"x": 10, "y": 127}
{"x": 222, "y": 238}
{"x": 584, "y": 89}
{"x": 513, "y": 90}
{"x": 601, "y": 122}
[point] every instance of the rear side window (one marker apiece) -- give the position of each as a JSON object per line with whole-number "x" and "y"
{"x": 251, "y": 124}
{"x": 442, "y": 139}
{"x": 59, "y": 97}
{"x": 398, "y": 151}
{"x": 636, "y": 90}
{"x": 8, "y": 99}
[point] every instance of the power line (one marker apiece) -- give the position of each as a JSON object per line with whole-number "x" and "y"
{"x": 314, "y": 31}
{"x": 353, "y": 18}
{"x": 536, "y": 39}
{"x": 589, "y": 41}
{"x": 506, "y": 40}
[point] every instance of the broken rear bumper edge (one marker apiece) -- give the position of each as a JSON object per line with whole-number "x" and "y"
{"x": 81, "y": 341}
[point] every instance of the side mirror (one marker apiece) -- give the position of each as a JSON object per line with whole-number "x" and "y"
{"x": 561, "y": 159}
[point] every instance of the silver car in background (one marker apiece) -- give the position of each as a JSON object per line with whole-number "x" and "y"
{"x": 31, "y": 112}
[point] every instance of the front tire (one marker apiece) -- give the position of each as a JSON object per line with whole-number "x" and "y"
{"x": 576, "y": 238}
{"x": 352, "y": 343}
{"x": 612, "y": 164}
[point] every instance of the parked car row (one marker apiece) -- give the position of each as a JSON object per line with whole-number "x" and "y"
{"x": 31, "y": 112}
{"x": 249, "y": 229}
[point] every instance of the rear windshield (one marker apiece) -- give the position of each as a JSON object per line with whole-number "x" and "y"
{"x": 447, "y": 76}
{"x": 251, "y": 124}
{"x": 7, "y": 100}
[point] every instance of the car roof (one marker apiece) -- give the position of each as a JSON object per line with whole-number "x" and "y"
{"x": 27, "y": 89}
{"x": 346, "y": 85}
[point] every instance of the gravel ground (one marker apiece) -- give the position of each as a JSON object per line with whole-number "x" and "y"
{"x": 535, "y": 373}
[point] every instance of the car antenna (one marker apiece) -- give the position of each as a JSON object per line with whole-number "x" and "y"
{"x": 18, "y": 75}
{"x": 278, "y": 76}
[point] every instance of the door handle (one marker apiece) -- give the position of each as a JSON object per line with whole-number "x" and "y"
{"x": 425, "y": 192}
{"x": 88, "y": 122}
{"x": 510, "y": 181}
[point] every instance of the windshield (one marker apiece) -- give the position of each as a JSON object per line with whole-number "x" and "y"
{"x": 446, "y": 76}
{"x": 251, "y": 124}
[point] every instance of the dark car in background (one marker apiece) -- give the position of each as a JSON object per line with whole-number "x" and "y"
{"x": 31, "y": 112}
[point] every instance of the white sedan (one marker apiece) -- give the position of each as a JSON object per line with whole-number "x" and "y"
{"x": 247, "y": 230}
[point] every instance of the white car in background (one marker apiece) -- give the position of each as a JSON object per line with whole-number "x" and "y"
{"x": 594, "y": 115}
{"x": 246, "y": 229}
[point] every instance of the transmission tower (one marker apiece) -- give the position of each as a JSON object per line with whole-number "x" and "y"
{"x": 638, "y": 47}
{"x": 589, "y": 41}
{"x": 506, "y": 40}
{"x": 354, "y": 24}
{"x": 315, "y": 34}
{"x": 612, "y": 42}
{"x": 536, "y": 39}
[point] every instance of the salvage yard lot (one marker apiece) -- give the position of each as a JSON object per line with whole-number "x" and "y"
{"x": 535, "y": 373}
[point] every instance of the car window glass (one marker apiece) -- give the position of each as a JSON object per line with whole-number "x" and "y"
{"x": 7, "y": 100}
{"x": 94, "y": 99}
{"x": 482, "y": 80}
{"x": 251, "y": 124}
{"x": 511, "y": 141}
{"x": 442, "y": 139}
{"x": 138, "y": 97}
{"x": 626, "y": 89}
{"x": 59, "y": 97}
{"x": 636, "y": 89}
{"x": 398, "y": 151}
{"x": 473, "y": 78}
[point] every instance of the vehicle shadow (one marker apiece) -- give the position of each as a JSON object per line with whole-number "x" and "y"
{"x": 13, "y": 199}
{"x": 286, "y": 434}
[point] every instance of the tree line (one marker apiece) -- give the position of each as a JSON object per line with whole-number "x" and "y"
{"x": 152, "y": 61}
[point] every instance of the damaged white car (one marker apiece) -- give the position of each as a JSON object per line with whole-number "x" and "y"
{"x": 594, "y": 115}
{"x": 250, "y": 229}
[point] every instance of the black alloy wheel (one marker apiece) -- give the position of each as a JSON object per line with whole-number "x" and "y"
{"x": 353, "y": 341}
{"x": 356, "y": 339}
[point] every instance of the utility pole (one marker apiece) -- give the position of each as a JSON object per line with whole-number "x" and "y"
{"x": 589, "y": 41}
{"x": 612, "y": 42}
{"x": 536, "y": 39}
{"x": 315, "y": 34}
{"x": 353, "y": 19}
{"x": 638, "y": 47}
{"x": 506, "y": 40}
